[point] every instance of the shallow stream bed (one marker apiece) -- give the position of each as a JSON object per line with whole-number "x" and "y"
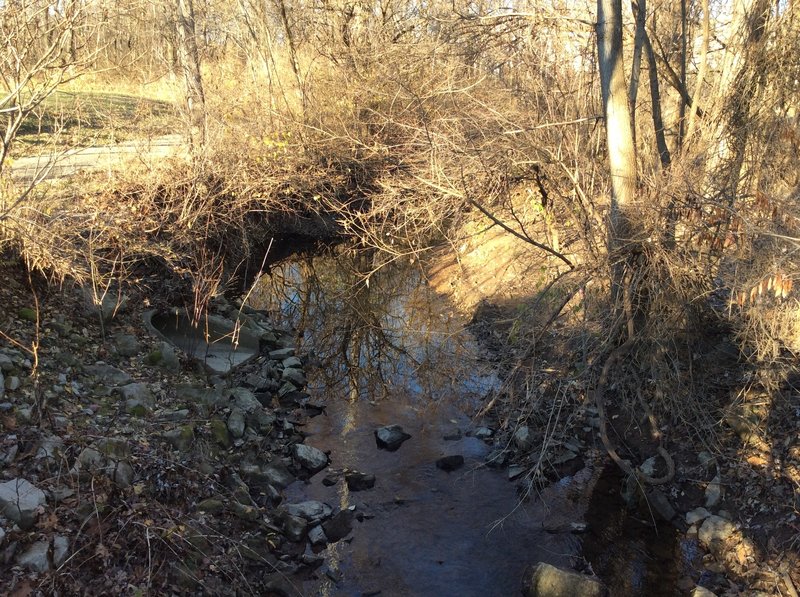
{"x": 385, "y": 349}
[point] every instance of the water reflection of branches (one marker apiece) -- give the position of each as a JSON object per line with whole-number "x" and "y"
{"x": 371, "y": 323}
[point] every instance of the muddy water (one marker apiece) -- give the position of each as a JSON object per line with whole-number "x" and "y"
{"x": 386, "y": 350}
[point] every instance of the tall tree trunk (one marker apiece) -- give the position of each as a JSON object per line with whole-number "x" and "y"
{"x": 701, "y": 73}
{"x": 619, "y": 129}
{"x": 655, "y": 100}
{"x": 190, "y": 65}
{"x": 642, "y": 40}
{"x": 682, "y": 104}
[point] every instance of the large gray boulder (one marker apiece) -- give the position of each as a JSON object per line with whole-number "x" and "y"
{"x": 544, "y": 580}
{"x": 20, "y": 501}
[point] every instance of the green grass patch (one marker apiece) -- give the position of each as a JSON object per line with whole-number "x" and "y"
{"x": 71, "y": 119}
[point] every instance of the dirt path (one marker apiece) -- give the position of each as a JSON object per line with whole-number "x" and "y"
{"x": 110, "y": 157}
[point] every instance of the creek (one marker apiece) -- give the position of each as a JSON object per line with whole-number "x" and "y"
{"x": 384, "y": 349}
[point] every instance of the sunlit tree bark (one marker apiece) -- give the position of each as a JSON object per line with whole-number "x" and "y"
{"x": 190, "y": 65}
{"x": 619, "y": 129}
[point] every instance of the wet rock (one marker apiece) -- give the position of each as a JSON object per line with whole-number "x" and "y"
{"x": 294, "y": 527}
{"x": 292, "y": 363}
{"x": 311, "y": 510}
{"x": 339, "y": 526}
{"x": 278, "y": 474}
{"x": 483, "y": 433}
{"x": 236, "y": 423}
{"x": 357, "y": 481}
{"x": 660, "y": 505}
{"x": 127, "y": 345}
{"x": 281, "y": 354}
{"x": 515, "y": 472}
{"x": 261, "y": 383}
{"x": 310, "y": 457}
{"x": 2, "y": 535}
{"x": 496, "y": 458}
{"x": 333, "y": 479}
{"x": 450, "y": 463}
{"x": 715, "y": 529}
{"x": 20, "y": 501}
{"x": 317, "y": 536}
{"x": 563, "y": 456}
{"x": 261, "y": 420}
{"x": 35, "y": 558}
{"x": 243, "y": 399}
{"x": 11, "y": 383}
{"x": 697, "y": 515}
{"x": 294, "y": 376}
{"x": 390, "y": 437}
{"x": 544, "y": 580}
{"x": 108, "y": 374}
{"x": 523, "y": 438}
{"x": 286, "y": 389}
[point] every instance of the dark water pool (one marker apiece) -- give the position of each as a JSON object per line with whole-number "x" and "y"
{"x": 385, "y": 349}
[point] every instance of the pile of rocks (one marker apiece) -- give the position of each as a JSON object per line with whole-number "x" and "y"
{"x": 122, "y": 449}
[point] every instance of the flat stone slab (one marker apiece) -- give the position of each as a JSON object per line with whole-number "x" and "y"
{"x": 211, "y": 343}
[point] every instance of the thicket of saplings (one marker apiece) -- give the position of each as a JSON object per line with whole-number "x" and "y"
{"x": 405, "y": 134}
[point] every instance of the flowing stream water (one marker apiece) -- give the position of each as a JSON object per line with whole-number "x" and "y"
{"x": 384, "y": 349}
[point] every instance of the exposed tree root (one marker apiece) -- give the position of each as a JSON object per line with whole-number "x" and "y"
{"x": 599, "y": 399}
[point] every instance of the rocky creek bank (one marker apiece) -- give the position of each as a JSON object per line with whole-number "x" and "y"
{"x": 128, "y": 468}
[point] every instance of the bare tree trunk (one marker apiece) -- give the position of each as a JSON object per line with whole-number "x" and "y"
{"x": 638, "y": 41}
{"x": 287, "y": 28}
{"x": 682, "y": 104}
{"x": 642, "y": 41}
{"x": 619, "y": 129}
{"x": 190, "y": 65}
{"x": 655, "y": 100}
{"x": 701, "y": 74}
